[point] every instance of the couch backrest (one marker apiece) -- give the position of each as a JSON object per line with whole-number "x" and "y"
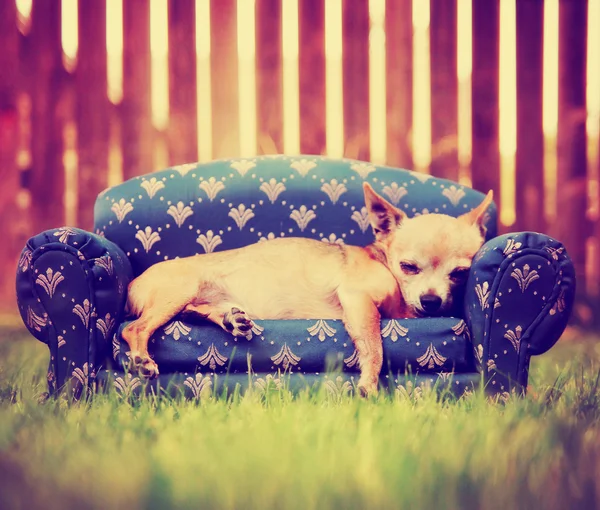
{"x": 204, "y": 207}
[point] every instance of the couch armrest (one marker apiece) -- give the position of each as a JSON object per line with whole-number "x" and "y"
{"x": 518, "y": 300}
{"x": 71, "y": 291}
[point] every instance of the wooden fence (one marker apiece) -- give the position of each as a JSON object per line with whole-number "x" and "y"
{"x": 498, "y": 94}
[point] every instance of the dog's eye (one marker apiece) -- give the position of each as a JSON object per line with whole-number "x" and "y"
{"x": 409, "y": 268}
{"x": 459, "y": 274}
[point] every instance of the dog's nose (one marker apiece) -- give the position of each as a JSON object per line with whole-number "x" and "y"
{"x": 431, "y": 303}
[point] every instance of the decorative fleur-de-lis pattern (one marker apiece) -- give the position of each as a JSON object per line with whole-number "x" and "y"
{"x": 518, "y": 301}
{"x": 525, "y": 276}
{"x": 211, "y": 187}
{"x": 321, "y": 330}
{"x": 80, "y": 379}
{"x": 25, "y": 260}
{"x": 361, "y": 217}
{"x": 176, "y": 329}
{"x": 121, "y": 209}
{"x": 213, "y": 358}
{"x": 35, "y": 321}
{"x": 147, "y": 238}
{"x": 63, "y": 234}
{"x": 180, "y": 213}
{"x": 209, "y": 241}
{"x": 49, "y": 282}
{"x": 286, "y": 358}
{"x": 338, "y": 388}
{"x": 106, "y": 263}
{"x": 84, "y": 311}
{"x": 105, "y": 325}
{"x": 514, "y": 337}
{"x": 334, "y": 190}
{"x": 394, "y": 330}
{"x": 454, "y": 194}
{"x": 152, "y": 186}
{"x": 352, "y": 360}
{"x": 71, "y": 284}
{"x": 394, "y": 192}
{"x": 200, "y": 385}
{"x": 272, "y": 189}
{"x": 431, "y": 358}
{"x": 270, "y": 382}
{"x": 126, "y": 385}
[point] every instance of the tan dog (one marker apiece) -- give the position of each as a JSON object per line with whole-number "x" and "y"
{"x": 410, "y": 270}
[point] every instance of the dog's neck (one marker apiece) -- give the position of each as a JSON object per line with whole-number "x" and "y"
{"x": 377, "y": 252}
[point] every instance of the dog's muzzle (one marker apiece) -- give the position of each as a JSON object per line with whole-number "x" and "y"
{"x": 431, "y": 304}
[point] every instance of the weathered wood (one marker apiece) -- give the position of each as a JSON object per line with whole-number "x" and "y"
{"x": 224, "y": 78}
{"x": 269, "y": 76}
{"x": 9, "y": 173}
{"x": 399, "y": 32}
{"x": 92, "y": 109}
{"x": 182, "y": 132}
{"x": 530, "y": 136}
{"x": 136, "y": 113}
{"x": 312, "y": 76}
{"x": 572, "y": 226}
{"x": 355, "y": 56}
{"x": 596, "y": 221}
{"x": 47, "y": 174}
{"x": 444, "y": 89}
{"x": 486, "y": 157}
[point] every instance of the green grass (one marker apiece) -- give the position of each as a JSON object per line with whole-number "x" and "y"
{"x": 302, "y": 452}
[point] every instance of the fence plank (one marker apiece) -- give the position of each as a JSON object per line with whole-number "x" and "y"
{"x": 136, "y": 123}
{"x": 399, "y": 32}
{"x": 486, "y": 157}
{"x": 47, "y": 173}
{"x": 9, "y": 173}
{"x": 444, "y": 89}
{"x": 596, "y": 259}
{"x": 224, "y": 78}
{"x": 312, "y": 76}
{"x": 572, "y": 226}
{"x": 92, "y": 109}
{"x": 269, "y": 100}
{"x": 355, "y": 57}
{"x": 182, "y": 132}
{"x": 530, "y": 136}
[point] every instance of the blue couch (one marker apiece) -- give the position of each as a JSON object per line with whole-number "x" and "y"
{"x": 72, "y": 284}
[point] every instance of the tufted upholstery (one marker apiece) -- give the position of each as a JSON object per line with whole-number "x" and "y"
{"x": 517, "y": 303}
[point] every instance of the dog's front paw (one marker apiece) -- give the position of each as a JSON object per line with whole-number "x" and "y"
{"x": 238, "y": 323}
{"x": 144, "y": 366}
{"x": 367, "y": 388}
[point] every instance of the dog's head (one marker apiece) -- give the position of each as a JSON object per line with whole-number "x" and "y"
{"x": 429, "y": 255}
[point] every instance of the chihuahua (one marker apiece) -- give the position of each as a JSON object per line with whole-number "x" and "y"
{"x": 413, "y": 269}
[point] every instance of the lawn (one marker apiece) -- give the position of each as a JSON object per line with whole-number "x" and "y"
{"x": 304, "y": 451}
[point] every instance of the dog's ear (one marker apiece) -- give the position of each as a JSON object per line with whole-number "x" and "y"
{"x": 476, "y": 216}
{"x": 383, "y": 216}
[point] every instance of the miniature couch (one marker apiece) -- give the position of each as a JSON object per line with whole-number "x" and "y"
{"x": 72, "y": 284}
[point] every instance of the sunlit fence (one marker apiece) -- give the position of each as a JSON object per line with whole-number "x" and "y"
{"x": 500, "y": 94}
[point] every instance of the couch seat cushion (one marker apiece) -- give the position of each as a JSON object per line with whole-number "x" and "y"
{"x": 305, "y": 346}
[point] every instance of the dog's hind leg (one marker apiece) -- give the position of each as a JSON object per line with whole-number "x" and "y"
{"x": 227, "y": 315}
{"x": 138, "y": 332}
{"x": 362, "y": 321}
